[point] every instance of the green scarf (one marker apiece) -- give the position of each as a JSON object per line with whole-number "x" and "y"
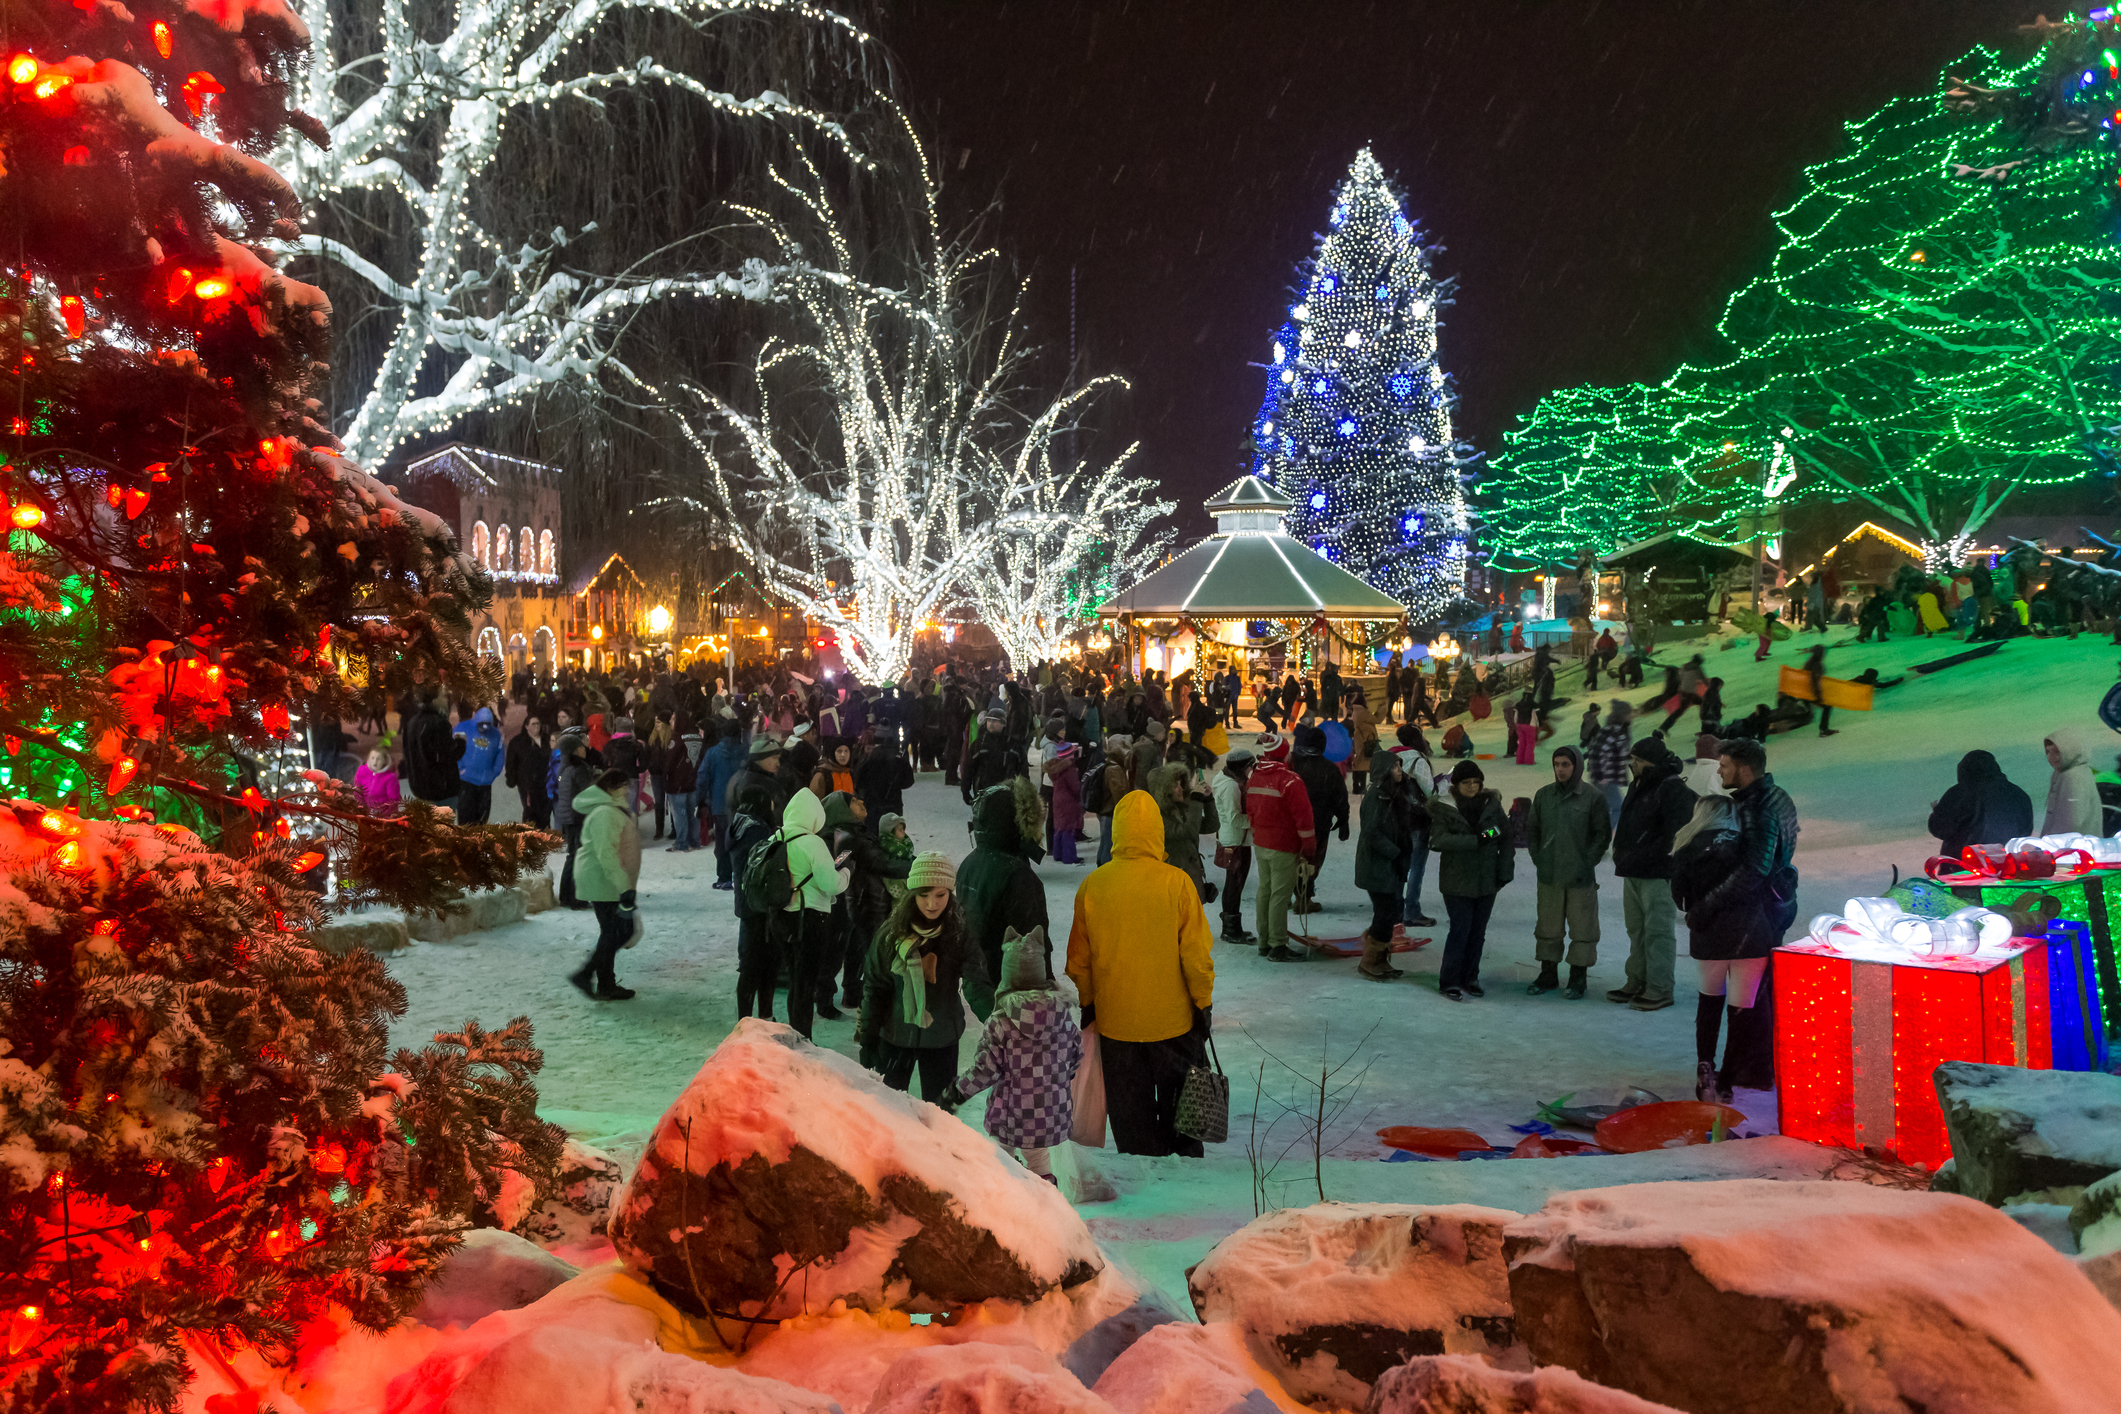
{"x": 917, "y": 971}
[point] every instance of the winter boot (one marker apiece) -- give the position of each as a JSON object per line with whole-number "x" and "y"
{"x": 1376, "y": 960}
{"x": 1579, "y": 982}
{"x": 1708, "y": 1021}
{"x": 1549, "y": 979}
{"x": 1748, "y": 1051}
{"x": 1234, "y": 930}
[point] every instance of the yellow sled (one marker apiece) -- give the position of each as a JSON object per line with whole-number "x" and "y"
{"x": 1840, "y": 692}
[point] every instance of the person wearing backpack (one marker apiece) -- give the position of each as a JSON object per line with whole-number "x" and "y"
{"x": 796, "y": 865}
{"x": 754, "y": 811}
{"x": 605, "y": 876}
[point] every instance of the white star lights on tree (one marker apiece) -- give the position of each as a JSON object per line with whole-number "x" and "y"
{"x": 1356, "y": 425}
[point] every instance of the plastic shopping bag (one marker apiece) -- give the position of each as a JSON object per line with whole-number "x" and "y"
{"x": 1087, "y": 1094}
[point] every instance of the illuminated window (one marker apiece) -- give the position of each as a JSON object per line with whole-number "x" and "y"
{"x": 548, "y": 554}
{"x": 500, "y": 548}
{"x": 480, "y": 546}
{"x": 527, "y": 552}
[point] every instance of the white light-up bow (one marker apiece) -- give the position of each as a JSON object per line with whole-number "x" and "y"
{"x": 1881, "y": 923}
{"x": 2102, "y": 851}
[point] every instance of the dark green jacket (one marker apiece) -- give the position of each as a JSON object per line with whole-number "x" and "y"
{"x": 1466, "y": 865}
{"x": 1390, "y": 822}
{"x": 996, "y": 885}
{"x": 1568, "y": 833}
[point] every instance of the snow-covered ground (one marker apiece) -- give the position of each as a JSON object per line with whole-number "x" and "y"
{"x": 1863, "y": 797}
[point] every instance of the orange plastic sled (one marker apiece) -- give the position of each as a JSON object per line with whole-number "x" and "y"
{"x": 1840, "y": 692}
{"x": 1436, "y": 1143}
{"x": 1669, "y": 1124}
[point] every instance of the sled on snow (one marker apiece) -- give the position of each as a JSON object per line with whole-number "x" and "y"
{"x": 1840, "y": 692}
{"x": 1939, "y": 664}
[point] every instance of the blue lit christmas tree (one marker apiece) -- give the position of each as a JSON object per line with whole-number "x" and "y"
{"x": 1356, "y": 426}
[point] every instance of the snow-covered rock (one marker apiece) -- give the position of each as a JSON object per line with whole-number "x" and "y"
{"x": 2047, "y": 1221}
{"x": 580, "y": 1206}
{"x": 380, "y": 934}
{"x": 1466, "y": 1384}
{"x": 978, "y": 1378}
{"x": 2104, "y": 1271}
{"x": 1332, "y": 1296}
{"x": 600, "y": 1344}
{"x": 492, "y": 1271}
{"x": 477, "y": 911}
{"x": 2095, "y": 1218}
{"x": 2014, "y": 1131}
{"x": 1187, "y": 1369}
{"x": 1751, "y": 1296}
{"x": 1095, "y": 1350}
{"x": 787, "y": 1177}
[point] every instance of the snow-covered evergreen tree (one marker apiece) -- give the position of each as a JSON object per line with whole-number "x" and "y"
{"x": 1356, "y": 424}
{"x": 204, "y": 1148}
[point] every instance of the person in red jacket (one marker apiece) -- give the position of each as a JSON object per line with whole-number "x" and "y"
{"x": 1282, "y": 841}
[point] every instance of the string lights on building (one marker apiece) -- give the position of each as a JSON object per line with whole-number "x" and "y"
{"x": 1356, "y": 424}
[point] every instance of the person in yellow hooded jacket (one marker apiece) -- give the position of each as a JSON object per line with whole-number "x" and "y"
{"x": 1138, "y": 955}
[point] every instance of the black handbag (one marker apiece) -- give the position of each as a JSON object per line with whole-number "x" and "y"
{"x": 1204, "y": 1102}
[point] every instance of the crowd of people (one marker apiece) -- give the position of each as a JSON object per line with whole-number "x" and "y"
{"x": 797, "y": 783}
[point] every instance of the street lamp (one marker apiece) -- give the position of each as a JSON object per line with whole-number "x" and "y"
{"x": 596, "y": 632}
{"x": 659, "y": 620}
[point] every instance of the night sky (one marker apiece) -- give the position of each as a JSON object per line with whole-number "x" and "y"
{"x": 1600, "y": 174}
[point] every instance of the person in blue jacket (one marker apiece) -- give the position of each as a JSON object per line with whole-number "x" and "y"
{"x": 479, "y": 767}
{"x": 718, "y": 766}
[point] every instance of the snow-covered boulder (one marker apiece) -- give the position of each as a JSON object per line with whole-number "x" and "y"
{"x": 1466, "y": 1384}
{"x": 492, "y": 1271}
{"x": 1332, "y": 1296}
{"x": 2014, "y": 1131}
{"x": 787, "y": 1177}
{"x": 977, "y": 1378}
{"x": 2095, "y": 1218}
{"x": 580, "y": 1206}
{"x": 1187, "y": 1369}
{"x": 478, "y": 911}
{"x": 377, "y": 934}
{"x": 1096, "y": 1348}
{"x": 1750, "y": 1296}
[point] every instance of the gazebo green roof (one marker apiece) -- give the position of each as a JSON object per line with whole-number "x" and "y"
{"x": 1251, "y": 568}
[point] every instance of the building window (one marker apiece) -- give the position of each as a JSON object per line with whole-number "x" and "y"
{"x": 527, "y": 552}
{"x": 500, "y": 548}
{"x": 479, "y": 546}
{"x": 489, "y": 642}
{"x": 548, "y": 554}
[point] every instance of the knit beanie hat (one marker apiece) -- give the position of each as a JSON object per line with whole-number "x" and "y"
{"x": 1156, "y": 731}
{"x": 1467, "y": 771}
{"x": 763, "y": 746}
{"x": 1273, "y": 747}
{"x": 888, "y": 823}
{"x": 932, "y": 870}
{"x": 1653, "y": 750}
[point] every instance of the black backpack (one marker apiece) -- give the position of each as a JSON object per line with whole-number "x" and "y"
{"x": 1094, "y": 790}
{"x": 768, "y": 883}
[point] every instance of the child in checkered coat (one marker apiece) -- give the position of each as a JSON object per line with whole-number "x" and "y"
{"x": 1028, "y": 1053}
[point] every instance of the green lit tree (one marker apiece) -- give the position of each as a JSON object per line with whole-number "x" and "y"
{"x": 1937, "y": 329}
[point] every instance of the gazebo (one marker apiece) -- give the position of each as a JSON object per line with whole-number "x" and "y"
{"x": 1251, "y": 570}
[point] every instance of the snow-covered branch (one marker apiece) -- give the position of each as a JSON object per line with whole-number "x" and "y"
{"x": 889, "y": 469}
{"x": 482, "y": 319}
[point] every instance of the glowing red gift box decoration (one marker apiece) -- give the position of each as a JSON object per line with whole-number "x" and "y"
{"x": 1856, "y": 1040}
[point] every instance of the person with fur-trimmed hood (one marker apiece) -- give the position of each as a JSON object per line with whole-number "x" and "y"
{"x": 996, "y": 885}
{"x": 1028, "y": 1053}
{"x": 1189, "y": 812}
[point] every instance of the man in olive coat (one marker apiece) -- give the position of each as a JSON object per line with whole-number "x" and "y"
{"x": 1567, "y": 834}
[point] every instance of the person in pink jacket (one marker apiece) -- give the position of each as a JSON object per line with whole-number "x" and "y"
{"x": 379, "y": 783}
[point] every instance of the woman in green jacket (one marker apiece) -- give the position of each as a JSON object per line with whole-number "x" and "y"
{"x": 605, "y": 874}
{"x": 1469, "y": 832}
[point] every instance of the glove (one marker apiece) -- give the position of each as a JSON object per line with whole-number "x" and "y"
{"x": 1490, "y": 835}
{"x": 949, "y": 1100}
{"x": 626, "y": 900}
{"x": 1204, "y": 1019}
{"x": 1344, "y": 834}
{"x": 1089, "y": 1014}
